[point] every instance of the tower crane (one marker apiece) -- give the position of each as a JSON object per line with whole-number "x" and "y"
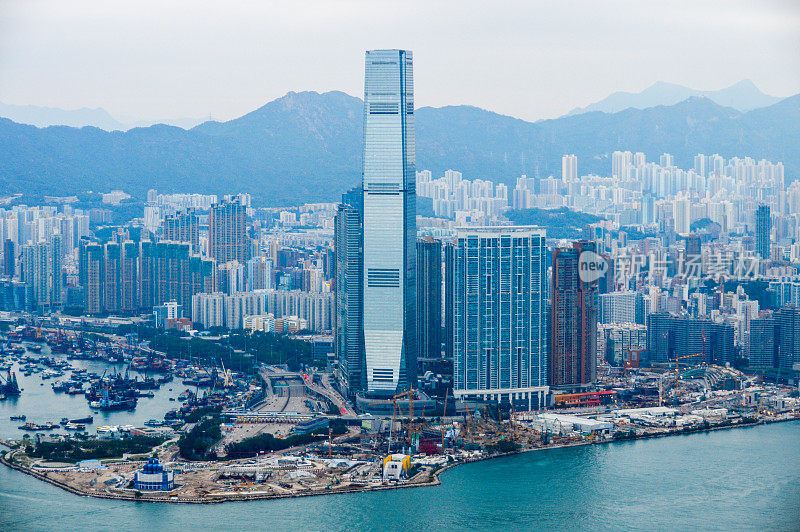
{"x": 227, "y": 379}
{"x": 410, "y": 394}
{"x": 444, "y": 413}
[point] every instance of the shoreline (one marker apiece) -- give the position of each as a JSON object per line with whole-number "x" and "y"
{"x": 433, "y": 476}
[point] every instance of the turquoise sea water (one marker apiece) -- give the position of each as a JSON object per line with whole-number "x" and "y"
{"x": 739, "y": 479}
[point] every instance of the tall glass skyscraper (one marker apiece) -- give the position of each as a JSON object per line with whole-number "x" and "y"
{"x": 389, "y": 222}
{"x": 499, "y": 322}
{"x": 429, "y": 298}
{"x": 348, "y": 290}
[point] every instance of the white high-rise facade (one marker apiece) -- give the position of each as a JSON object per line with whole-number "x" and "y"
{"x": 682, "y": 214}
{"x": 569, "y": 168}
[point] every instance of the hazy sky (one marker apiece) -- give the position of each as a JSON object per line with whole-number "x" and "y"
{"x": 154, "y": 59}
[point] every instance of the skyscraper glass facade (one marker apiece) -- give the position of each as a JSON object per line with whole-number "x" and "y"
{"x": 429, "y": 298}
{"x": 389, "y": 221}
{"x": 499, "y": 322}
{"x": 348, "y": 288}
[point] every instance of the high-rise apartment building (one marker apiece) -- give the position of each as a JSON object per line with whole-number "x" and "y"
{"x": 620, "y": 161}
{"x": 147, "y": 298}
{"x": 622, "y": 307}
{"x": 124, "y": 277}
{"x": 389, "y": 222}
{"x": 671, "y": 336}
{"x": 569, "y": 168}
{"x": 573, "y": 318}
{"x": 700, "y": 164}
{"x": 41, "y": 269}
{"x": 648, "y": 210}
{"x": 449, "y": 304}
{"x": 227, "y": 232}
{"x": 129, "y": 277}
{"x": 28, "y": 267}
{"x": 231, "y": 277}
{"x": 429, "y": 298}
{"x": 9, "y": 258}
{"x": 194, "y": 274}
{"x": 177, "y": 274}
{"x": 259, "y": 273}
{"x": 682, "y": 215}
{"x": 349, "y": 293}
{"x": 111, "y": 271}
{"x": 500, "y": 325}
{"x": 787, "y": 322}
{"x": 763, "y": 228}
{"x": 183, "y": 226}
{"x": 55, "y": 277}
{"x": 90, "y": 276}
{"x": 762, "y": 352}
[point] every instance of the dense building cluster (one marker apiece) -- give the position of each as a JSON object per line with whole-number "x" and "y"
{"x": 190, "y": 260}
{"x": 669, "y": 266}
{"x": 690, "y": 267}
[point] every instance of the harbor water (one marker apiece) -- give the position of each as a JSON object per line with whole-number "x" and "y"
{"x": 40, "y": 404}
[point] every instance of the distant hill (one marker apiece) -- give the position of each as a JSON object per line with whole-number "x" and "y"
{"x": 100, "y": 118}
{"x": 307, "y": 147}
{"x": 51, "y": 116}
{"x": 742, "y": 96}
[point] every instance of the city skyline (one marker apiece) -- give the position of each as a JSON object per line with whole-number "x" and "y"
{"x": 423, "y": 321}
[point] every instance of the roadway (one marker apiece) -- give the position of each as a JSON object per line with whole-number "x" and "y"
{"x": 329, "y": 393}
{"x": 325, "y": 389}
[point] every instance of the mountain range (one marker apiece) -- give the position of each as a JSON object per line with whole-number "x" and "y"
{"x": 742, "y": 96}
{"x": 307, "y": 147}
{"x": 39, "y": 116}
